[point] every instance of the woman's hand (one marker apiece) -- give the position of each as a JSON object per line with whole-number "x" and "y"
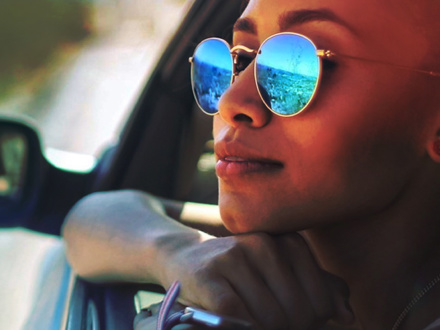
{"x": 273, "y": 282}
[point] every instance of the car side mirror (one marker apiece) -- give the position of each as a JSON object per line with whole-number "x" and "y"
{"x": 20, "y": 169}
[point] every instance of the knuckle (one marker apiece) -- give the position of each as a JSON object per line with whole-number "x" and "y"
{"x": 202, "y": 273}
{"x": 226, "y": 303}
{"x": 262, "y": 238}
{"x": 295, "y": 241}
{"x": 235, "y": 249}
{"x": 225, "y": 243}
{"x": 227, "y": 257}
{"x": 262, "y": 243}
{"x": 278, "y": 259}
{"x": 337, "y": 284}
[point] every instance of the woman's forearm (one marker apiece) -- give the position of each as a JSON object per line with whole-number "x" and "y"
{"x": 123, "y": 236}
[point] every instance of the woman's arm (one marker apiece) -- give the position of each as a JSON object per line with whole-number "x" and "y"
{"x": 273, "y": 282}
{"x": 116, "y": 236}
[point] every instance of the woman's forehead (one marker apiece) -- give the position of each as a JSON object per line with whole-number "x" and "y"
{"x": 387, "y": 25}
{"x": 361, "y": 14}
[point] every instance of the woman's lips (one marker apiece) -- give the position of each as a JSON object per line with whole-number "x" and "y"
{"x": 233, "y": 165}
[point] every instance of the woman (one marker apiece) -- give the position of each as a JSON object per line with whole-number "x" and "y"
{"x": 356, "y": 171}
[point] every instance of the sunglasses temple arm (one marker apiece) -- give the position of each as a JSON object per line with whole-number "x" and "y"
{"x": 329, "y": 54}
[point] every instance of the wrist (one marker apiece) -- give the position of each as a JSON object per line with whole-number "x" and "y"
{"x": 167, "y": 248}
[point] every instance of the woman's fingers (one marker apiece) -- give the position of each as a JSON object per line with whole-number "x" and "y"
{"x": 221, "y": 298}
{"x": 310, "y": 277}
{"x": 260, "y": 300}
{"x": 305, "y": 294}
{"x": 328, "y": 294}
{"x": 344, "y": 314}
{"x": 281, "y": 282}
{"x": 205, "y": 272}
{"x": 273, "y": 282}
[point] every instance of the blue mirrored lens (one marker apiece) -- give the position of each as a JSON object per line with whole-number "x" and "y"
{"x": 211, "y": 73}
{"x": 287, "y": 73}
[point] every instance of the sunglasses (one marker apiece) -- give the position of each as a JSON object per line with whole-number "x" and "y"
{"x": 287, "y": 70}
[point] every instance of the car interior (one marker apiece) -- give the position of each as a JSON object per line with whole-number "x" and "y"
{"x": 165, "y": 149}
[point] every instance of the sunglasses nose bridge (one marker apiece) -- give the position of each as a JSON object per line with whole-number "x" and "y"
{"x": 235, "y": 54}
{"x": 235, "y": 49}
{"x": 241, "y": 103}
{"x": 234, "y": 66}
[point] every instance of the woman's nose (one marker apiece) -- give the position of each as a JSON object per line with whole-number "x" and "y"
{"x": 241, "y": 104}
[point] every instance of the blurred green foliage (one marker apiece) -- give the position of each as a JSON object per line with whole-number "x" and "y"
{"x": 32, "y": 30}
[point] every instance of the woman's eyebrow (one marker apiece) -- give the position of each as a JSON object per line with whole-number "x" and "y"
{"x": 297, "y": 17}
{"x": 245, "y": 25}
{"x": 292, "y": 18}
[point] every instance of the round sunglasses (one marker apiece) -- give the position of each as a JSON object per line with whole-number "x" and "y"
{"x": 287, "y": 70}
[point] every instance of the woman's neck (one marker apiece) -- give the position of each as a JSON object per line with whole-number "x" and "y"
{"x": 385, "y": 258}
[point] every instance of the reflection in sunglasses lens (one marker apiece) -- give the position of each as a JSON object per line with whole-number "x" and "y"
{"x": 287, "y": 73}
{"x": 212, "y": 73}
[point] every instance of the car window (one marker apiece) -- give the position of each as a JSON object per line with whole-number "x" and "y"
{"x": 76, "y": 68}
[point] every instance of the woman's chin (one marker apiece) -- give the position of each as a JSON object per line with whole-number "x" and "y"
{"x": 239, "y": 223}
{"x": 244, "y": 218}
{"x": 245, "y": 221}
{"x": 244, "y": 210}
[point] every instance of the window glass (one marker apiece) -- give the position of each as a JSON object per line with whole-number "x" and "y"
{"x": 77, "y": 67}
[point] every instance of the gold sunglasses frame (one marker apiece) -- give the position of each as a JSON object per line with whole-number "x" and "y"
{"x": 320, "y": 53}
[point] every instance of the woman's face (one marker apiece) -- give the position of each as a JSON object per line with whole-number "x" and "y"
{"x": 358, "y": 144}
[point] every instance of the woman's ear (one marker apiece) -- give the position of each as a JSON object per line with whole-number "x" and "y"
{"x": 433, "y": 147}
